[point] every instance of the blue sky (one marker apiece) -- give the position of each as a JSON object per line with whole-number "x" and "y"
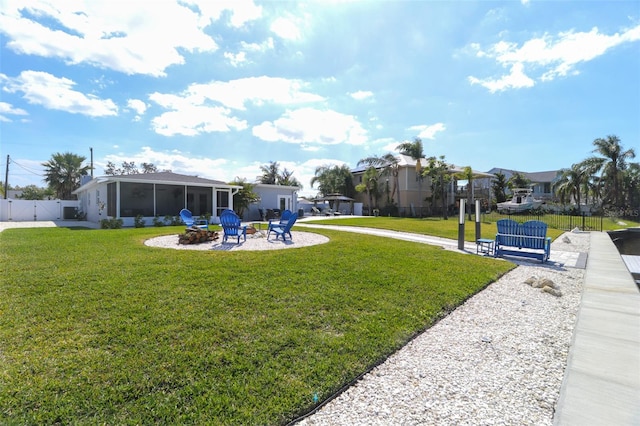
{"x": 217, "y": 89}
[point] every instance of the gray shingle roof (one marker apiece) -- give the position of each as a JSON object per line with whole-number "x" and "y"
{"x": 168, "y": 177}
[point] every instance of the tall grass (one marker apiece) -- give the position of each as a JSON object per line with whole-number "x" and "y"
{"x": 97, "y": 328}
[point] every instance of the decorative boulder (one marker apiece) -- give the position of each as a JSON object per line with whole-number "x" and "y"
{"x": 545, "y": 284}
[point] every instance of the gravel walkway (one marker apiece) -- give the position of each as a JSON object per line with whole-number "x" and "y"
{"x": 497, "y": 360}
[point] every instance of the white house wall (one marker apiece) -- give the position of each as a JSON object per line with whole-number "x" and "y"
{"x": 269, "y": 197}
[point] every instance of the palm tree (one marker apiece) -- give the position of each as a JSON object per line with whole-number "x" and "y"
{"x": 415, "y": 150}
{"x": 612, "y": 163}
{"x": 63, "y": 172}
{"x": 333, "y": 180}
{"x": 390, "y": 166}
{"x": 438, "y": 170}
{"x": 571, "y": 183}
{"x": 244, "y": 197}
{"x": 286, "y": 179}
{"x": 590, "y": 183}
{"x": 269, "y": 174}
{"x": 369, "y": 184}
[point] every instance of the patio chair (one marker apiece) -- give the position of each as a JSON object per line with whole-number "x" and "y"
{"x": 231, "y": 225}
{"x": 283, "y": 231}
{"x": 188, "y": 220}
{"x": 286, "y": 215}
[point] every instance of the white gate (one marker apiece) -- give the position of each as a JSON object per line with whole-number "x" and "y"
{"x": 30, "y": 210}
{"x": 23, "y": 209}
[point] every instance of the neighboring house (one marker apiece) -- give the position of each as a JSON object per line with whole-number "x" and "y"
{"x": 411, "y": 193}
{"x": 153, "y": 194}
{"x": 541, "y": 182}
{"x": 272, "y": 197}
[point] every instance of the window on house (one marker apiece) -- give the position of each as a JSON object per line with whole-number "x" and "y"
{"x": 169, "y": 200}
{"x": 136, "y": 199}
{"x": 111, "y": 199}
{"x": 222, "y": 201}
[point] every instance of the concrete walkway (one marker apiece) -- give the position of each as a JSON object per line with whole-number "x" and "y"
{"x": 48, "y": 224}
{"x": 602, "y": 380}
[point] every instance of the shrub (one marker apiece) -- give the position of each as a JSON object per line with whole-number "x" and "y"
{"x": 138, "y": 222}
{"x": 111, "y": 223}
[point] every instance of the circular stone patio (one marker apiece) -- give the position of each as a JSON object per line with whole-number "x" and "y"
{"x": 257, "y": 241}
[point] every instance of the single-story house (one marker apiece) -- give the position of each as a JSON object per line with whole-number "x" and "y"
{"x": 272, "y": 197}
{"x": 153, "y": 194}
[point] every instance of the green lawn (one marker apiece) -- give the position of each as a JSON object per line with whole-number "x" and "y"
{"x": 97, "y": 328}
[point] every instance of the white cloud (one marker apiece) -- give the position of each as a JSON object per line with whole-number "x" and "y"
{"x": 361, "y": 95}
{"x": 308, "y": 126}
{"x": 516, "y": 79}
{"x": 547, "y": 56}
{"x": 137, "y": 105}
{"x": 118, "y": 38}
{"x": 242, "y": 11}
{"x": 287, "y": 28}
{"x": 8, "y": 109}
{"x": 41, "y": 88}
{"x": 428, "y": 131}
{"x": 266, "y": 45}
{"x": 192, "y": 120}
{"x": 257, "y": 90}
{"x": 236, "y": 59}
{"x": 207, "y": 107}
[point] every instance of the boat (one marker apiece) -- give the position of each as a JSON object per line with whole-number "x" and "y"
{"x": 521, "y": 201}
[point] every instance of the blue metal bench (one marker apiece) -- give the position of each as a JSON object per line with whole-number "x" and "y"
{"x": 528, "y": 239}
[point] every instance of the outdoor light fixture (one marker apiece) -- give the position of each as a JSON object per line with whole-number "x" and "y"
{"x": 478, "y": 214}
{"x": 461, "y": 226}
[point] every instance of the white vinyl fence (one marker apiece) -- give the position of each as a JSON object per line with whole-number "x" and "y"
{"x": 35, "y": 210}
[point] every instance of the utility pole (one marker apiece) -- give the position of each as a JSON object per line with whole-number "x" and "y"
{"x": 6, "y": 179}
{"x": 91, "y": 150}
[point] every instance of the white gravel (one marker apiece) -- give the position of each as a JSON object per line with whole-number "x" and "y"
{"x": 257, "y": 241}
{"x": 499, "y": 359}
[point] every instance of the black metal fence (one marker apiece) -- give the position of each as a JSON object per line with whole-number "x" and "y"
{"x": 565, "y": 222}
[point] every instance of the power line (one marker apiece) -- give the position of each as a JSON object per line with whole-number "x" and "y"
{"x": 39, "y": 174}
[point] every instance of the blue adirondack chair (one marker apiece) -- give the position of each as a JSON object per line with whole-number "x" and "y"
{"x": 188, "y": 220}
{"x": 231, "y": 225}
{"x": 279, "y": 223}
{"x": 283, "y": 231}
